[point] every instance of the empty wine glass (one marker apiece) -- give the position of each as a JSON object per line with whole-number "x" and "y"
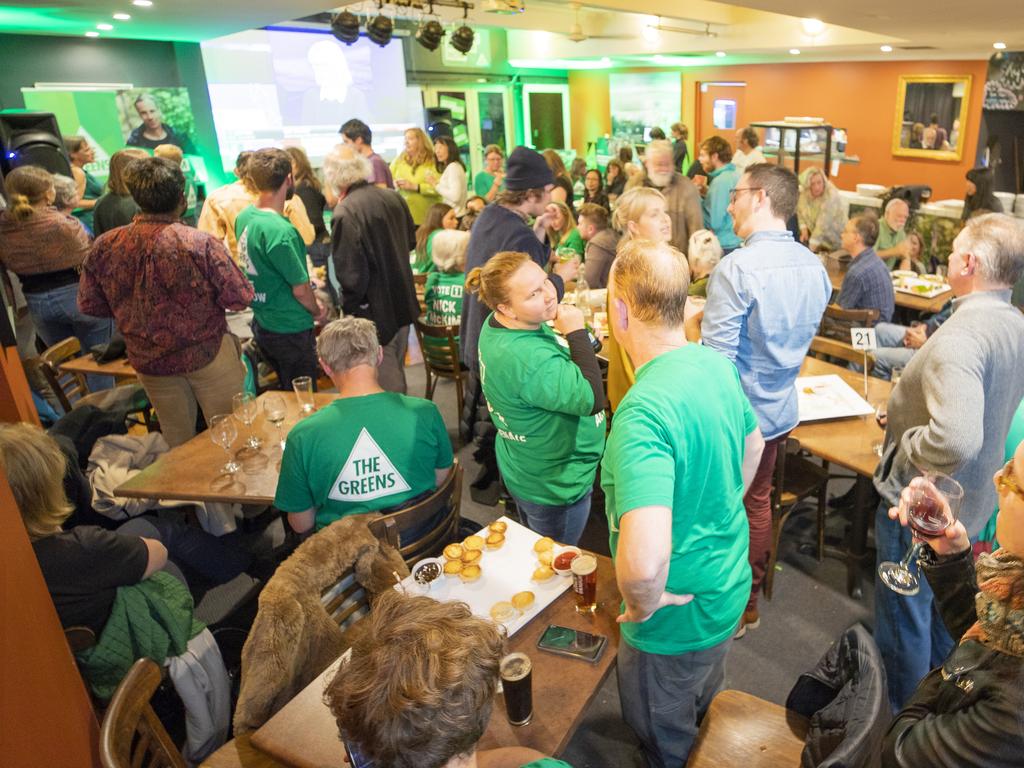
{"x": 223, "y": 432}
{"x": 276, "y": 410}
{"x": 934, "y": 504}
{"x": 881, "y": 416}
{"x": 303, "y": 386}
{"x": 246, "y": 409}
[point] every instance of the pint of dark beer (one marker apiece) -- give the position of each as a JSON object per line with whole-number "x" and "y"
{"x": 584, "y": 583}
{"x": 517, "y": 682}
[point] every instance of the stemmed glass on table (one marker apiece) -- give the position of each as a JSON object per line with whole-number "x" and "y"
{"x": 933, "y": 506}
{"x": 223, "y": 432}
{"x": 276, "y": 410}
{"x": 246, "y": 409}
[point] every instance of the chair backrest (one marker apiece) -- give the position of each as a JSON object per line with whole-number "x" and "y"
{"x": 846, "y": 698}
{"x": 79, "y": 638}
{"x": 68, "y": 387}
{"x": 843, "y": 350}
{"x": 836, "y": 322}
{"x": 419, "y": 281}
{"x": 440, "y": 348}
{"x": 791, "y": 446}
{"x": 446, "y": 501}
{"x": 132, "y": 735}
{"x": 345, "y": 601}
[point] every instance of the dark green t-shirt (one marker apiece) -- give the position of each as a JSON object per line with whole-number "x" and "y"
{"x": 273, "y": 257}
{"x": 686, "y": 453}
{"x": 548, "y": 442}
{"x": 443, "y": 297}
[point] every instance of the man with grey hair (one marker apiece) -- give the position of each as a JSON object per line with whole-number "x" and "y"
{"x": 371, "y": 237}
{"x": 950, "y": 412}
{"x": 892, "y": 245}
{"x": 681, "y": 195}
{"x": 369, "y": 449}
{"x": 65, "y": 193}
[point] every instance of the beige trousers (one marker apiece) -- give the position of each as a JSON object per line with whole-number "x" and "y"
{"x": 211, "y": 388}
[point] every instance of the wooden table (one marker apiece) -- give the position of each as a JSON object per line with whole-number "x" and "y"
{"x": 848, "y": 443}
{"x": 905, "y": 300}
{"x": 303, "y": 734}
{"x": 193, "y": 471}
{"x": 120, "y": 369}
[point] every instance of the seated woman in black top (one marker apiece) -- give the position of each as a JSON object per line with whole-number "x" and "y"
{"x": 84, "y": 566}
{"x": 970, "y": 711}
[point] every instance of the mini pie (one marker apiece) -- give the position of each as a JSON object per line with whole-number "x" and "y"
{"x": 498, "y": 526}
{"x": 471, "y": 572}
{"x": 503, "y": 611}
{"x": 546, "y": 557}
{"x": 471, "y": 556}
{"x": 495, "y": 540}
{"x": 543, "y": 544}
{"x": 473, "y": 542}
{"x": 522, "y": 600}
{"x": 543, "y": 573}
{"x": 453, "y": 551}
{"x": 453, "y": 568}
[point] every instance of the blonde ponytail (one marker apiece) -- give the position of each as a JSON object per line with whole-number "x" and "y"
{"x": 21, "y": 209}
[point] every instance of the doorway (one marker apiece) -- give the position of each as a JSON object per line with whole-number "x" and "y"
{"x": 546, "y": 116}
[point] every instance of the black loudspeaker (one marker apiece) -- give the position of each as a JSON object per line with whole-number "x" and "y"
{"x": 32, "y": 138}
{"x": 438, "y": 121}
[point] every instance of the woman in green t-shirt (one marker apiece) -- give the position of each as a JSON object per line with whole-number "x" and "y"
{"x": 439, "y": 216}
{"x": 544, "y": 394}
{"x": 563, "y": 233}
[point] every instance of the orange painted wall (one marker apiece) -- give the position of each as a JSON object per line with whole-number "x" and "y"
{"x": 858, "y": 96}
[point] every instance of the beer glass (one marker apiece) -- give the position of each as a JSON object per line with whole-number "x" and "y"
{"x": 516, "y": 671}
{"x": 584, "y": 583}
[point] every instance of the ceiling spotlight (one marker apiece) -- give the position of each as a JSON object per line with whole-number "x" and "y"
{"x": 92, "y": 33}
{"x": 123, "y": 16}
{"x": 886, "y": 49}
{"x": 429, "y": 34}
{"x": 345, "y": 27}
{"x": 720, "y": 54}
{"x": 813, "y": 27}
{"x": 462, "y": 39}
{"x": 795, "y": 51}
{"x": 142, "y": 3}
{"x": 999, "y": 46}
{"x": 105, "y": 27}
{"x": 380, "y": 29}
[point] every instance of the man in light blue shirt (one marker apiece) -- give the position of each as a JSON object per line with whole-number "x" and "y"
{"x": 765, "y": 302}
{"x": 716, "y": 158}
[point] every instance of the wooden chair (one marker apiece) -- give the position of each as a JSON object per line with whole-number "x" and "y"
{"x": 346, "y": 601}
{"x": 419, "y": 281}
{"x": 837, "y": 322}
{"x": 440, "y": 358}
{"x": 68, "y": 387}
{"x": 740, "y": 729}
{"x": 448, "y": 496}
{"x": 132, "y": 735}
{"x": 796, "y": 478}
{"x": 79, "y": 638}
{"x": 829, "y": 349}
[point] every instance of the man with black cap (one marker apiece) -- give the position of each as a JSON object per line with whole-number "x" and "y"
{"x": 516, "y": 221}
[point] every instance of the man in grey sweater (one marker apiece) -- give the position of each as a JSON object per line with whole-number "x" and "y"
{"x": 950, "y": 412}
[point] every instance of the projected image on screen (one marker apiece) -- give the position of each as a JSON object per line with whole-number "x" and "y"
{"x": 274, "y": 87}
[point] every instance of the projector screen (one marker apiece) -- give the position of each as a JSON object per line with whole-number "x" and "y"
{"x": 284, "y": 88}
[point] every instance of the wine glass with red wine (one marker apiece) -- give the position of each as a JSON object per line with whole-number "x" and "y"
{"x": 935, "y": 501}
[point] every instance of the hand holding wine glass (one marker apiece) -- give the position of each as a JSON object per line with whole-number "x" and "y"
{"x": 950, "y": 541}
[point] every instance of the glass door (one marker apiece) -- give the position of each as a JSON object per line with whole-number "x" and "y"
{"x": 546, "y": 116}
{"x": 481, "y": 115}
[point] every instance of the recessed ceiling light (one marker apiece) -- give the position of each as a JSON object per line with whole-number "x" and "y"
{"x": 142, "y": 3}
{"x": 795, "y": 51}
{"x": 999, "y": 46}
{"x": 92, "y": 34}
{"x": 720, "y": 54}
{"x": 813, "y": 27}
{"x": 122, "y": 16}
{"x": 105, "y": 27}
{"x": 886, "y": 49}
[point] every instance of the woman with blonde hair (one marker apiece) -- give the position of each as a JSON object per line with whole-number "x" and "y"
{"x": 116, "y": 207}
{"x": 544, "y": 394}
{"x": 563, "y": 191}
{"x": 819, "y": 212}
{"x": 562, "y": 232}
{"x": 641, "y": 214}
{"x": 45, "y": 249}
{"x": 415, "y": 174}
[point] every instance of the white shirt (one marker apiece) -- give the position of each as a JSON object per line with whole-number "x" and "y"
{"x": 452, "y": 187}
{"x": 742, "y": 159}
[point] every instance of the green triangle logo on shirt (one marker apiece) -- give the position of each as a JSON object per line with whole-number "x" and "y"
{"x": 368, "y": 473}
{"x": 243, "y": 251}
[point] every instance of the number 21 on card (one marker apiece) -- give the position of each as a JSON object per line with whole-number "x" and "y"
{"x": 863, "y": 338}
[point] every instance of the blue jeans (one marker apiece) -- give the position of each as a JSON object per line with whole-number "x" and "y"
{"x": 562, "y": 522}
{"x": 890, "y": 352}
{"x": 908, "y": 630}
{"x": 56, "y": 316}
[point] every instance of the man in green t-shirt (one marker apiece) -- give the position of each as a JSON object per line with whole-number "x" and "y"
{"x": 272, "y": 253}
{"x": 369, "y": 449}
{"x": 892, "y": 246}
{"x": 674, "y": 473}
{"x": 490, "y": 181}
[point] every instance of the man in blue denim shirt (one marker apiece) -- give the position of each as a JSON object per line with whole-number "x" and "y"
{"x": 765, "y": 302}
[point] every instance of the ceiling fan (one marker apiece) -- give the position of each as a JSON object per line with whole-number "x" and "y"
{"x": 576, "y": 33}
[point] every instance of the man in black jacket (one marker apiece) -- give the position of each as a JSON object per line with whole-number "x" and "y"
{"x": 371, "y": 237}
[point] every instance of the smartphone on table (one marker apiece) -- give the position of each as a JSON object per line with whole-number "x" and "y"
{"x": 572, "y": 642}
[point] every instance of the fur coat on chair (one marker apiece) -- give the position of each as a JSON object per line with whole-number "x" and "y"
{"x": 293, "y": 639}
